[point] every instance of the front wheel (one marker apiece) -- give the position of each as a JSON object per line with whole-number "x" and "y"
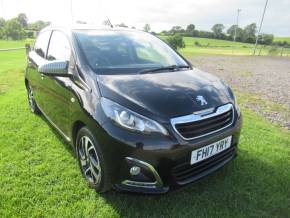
{"x": 32, "y": 104}
{"x": 91, "y": 161}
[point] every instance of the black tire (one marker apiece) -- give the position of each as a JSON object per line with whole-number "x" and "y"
{"x": 31, "y": 101}
{"x": 91, "y": 161}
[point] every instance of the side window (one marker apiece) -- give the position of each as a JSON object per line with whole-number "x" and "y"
{"x": 41, "y": 43}
{"x": 59, "y": 47}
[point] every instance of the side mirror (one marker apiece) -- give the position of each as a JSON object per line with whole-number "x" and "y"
{"x": 27, "y": 48}
{"x": 54, "y": 68}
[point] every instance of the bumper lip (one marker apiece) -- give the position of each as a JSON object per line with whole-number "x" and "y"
{"x": 210, "y": 170}
{"x": 132, "y": 189}
{"x": 158, "y": 187}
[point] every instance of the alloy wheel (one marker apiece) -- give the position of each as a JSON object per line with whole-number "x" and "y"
{"x": 31, "y": 99}
{"x": 89, "y": 160}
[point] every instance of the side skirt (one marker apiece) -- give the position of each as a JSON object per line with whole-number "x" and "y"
{"x": 68, "y": 139}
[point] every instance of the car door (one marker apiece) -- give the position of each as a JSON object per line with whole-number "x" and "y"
{"x": 56, "y": 95}
{"x": 35, "y": 58}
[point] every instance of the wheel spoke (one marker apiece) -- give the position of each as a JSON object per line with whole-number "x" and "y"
{"x": 83, "y": 162}
{"x": 95, "y": 163}
{"x": 96, "y": 176}
{"x": 91, "y": 148}
{"x": 93, "y": 157}
{"x": 86, "y": 142}
{"x": 81, "y": 150}
{"x": 88, "y": 170}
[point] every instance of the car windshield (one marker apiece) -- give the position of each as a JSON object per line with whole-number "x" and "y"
{"x": 119, "y": 52}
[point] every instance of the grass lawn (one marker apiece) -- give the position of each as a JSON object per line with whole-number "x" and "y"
{"x": 39, "y": 175}
{"x": 224, "y": 47}
{"x": 14, "y": 58}
{"x": 282, "y": 39}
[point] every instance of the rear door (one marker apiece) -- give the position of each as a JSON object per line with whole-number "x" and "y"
{"x": 57, "y": 89}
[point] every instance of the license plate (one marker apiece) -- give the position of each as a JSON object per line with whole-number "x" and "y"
{"x": 210, "y": 150}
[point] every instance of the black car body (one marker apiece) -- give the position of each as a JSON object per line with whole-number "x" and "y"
{"x": 165, "y": 114}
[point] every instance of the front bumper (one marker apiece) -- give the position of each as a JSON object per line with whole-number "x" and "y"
{"x": 164, "y": 162}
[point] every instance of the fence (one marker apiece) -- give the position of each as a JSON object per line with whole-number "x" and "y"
{"x": 11, "y": 49}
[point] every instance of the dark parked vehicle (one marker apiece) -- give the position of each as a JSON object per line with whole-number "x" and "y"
{"x": 138, "y": 115}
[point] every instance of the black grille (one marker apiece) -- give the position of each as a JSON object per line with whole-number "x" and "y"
{"x": 185, "y": 173}
{"x": 205, "y": 126}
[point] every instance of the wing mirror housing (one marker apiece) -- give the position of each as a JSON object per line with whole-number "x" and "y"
{"x": 55, "y": 68}
{"x": 27, "y": 48}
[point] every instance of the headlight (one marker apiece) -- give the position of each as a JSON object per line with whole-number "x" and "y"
{"x": 129, "y": 119}
{"x": 237, "y": 106}
{"x": 232, "y": 95}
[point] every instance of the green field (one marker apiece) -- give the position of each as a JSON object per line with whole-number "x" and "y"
{"x": 224, "y": 47}
{"x": 282, "y": 39}
{"x": 12, "y": 59}
{"x": 39, "y": 175}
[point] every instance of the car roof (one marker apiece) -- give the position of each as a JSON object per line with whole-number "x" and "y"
{"x": 82, "y": 27}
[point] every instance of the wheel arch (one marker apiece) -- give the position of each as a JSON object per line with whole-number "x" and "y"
{"x": 76, "y": 127}
{"x": 26, "y": 81}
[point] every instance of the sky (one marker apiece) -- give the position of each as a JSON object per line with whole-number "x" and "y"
{"x": 160, "y": 14}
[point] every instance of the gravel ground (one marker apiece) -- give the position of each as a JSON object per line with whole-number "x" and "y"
{"x": 266, "y": 78}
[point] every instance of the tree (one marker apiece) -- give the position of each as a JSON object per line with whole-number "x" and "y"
{"x": 218, "y": 30}
{"x": 2, "y": 33}
{"x": 122, "y": 25}
{"x": 2, "y": 22}
{"x": 22, "y": 19}
{"x": 13, "y": 29}
{"x": 38, "y": 25}
{"x": 147, "y": 28}
{"x": 2, "y": 25}
{"x": 176, "y": 29}
{"x": 239, "y": 32}
{"x": 266, "y": 39}
{"x": 206, "y": 34}
{"x": 190, "y": 29}
{"x": 164, "y": 32}
{"x": 176, "y": 41}
{"x": 250, "y": 33}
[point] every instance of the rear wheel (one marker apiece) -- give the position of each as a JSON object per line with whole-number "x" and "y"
{"x": 91, "y": 161}
{"x": 32, "y": 104}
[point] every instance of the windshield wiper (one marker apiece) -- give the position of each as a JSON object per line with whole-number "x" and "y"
{"x": 171, "y": 67}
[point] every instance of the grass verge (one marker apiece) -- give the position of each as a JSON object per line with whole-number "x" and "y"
{"x": 224, "y": 47}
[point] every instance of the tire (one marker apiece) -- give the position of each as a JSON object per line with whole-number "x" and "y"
{"x": 31, "y": 101}
{"x": 91, "y": 161}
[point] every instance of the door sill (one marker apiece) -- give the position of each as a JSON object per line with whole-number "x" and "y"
{"x": 68, "y": 139}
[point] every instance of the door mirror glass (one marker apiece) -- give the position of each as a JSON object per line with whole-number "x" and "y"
{"x": 54, "y": 68}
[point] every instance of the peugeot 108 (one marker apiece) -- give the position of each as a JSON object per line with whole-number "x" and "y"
{"x": 139, "y": 116}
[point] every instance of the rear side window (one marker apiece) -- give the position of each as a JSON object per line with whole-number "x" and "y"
{"x": 59, "y": 47}
{"x": 41, "y": 43}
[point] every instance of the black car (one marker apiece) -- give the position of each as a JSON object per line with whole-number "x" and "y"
{"x": 138, "y": 115}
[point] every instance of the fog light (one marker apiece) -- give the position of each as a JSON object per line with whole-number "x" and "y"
{"x": 135, "y": 170}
